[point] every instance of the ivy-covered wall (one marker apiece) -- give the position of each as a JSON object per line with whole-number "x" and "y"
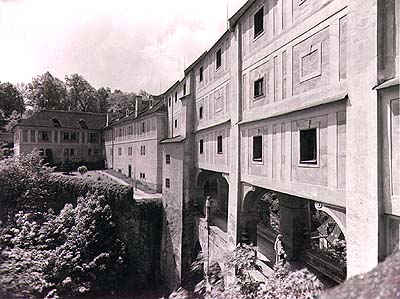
{"x": 139, "y": 223}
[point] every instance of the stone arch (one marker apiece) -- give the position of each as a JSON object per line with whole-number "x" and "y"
{"x": 336, "y": 213}
{"x": 215, "y": 186}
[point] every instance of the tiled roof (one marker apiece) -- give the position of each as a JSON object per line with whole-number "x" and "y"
{"x": 158, "y": 106}
{"x": 66, "y": 119}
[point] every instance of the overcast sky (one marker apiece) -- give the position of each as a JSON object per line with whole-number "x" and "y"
{"x": 127, "y": 45}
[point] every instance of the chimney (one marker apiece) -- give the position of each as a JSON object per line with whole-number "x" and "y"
{"x": 138, "y": 101}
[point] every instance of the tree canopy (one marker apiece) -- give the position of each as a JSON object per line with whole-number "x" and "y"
{"x": 10, "y": 99}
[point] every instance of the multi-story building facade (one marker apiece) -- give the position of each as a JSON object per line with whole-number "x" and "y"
{"x": 297, "y": 101}
{"x": 132, "y": 142}
{"x": 62, "y": 135}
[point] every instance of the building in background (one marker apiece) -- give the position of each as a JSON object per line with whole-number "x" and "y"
{"x": 132, "y": 142}
{"x": 62, "y": 136}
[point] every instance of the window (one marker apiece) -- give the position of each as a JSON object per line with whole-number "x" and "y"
{"x": 119, "y": 151}
{"x": 142, "y": 175}
{"x": 219, "y": 145}
{"x": 176, "y": 96}
{"x": 176, "y": 123}
{"x": 167, "y": 183}
{"x": 167, "y": 159}
{"x": 74, "y": 136}
{"x": 201, "y": 73}
{"x": 92, "y": 137}
{"x": 32, "y": 135}
{"x": 143, "y": 127}
{"x": 72, "y": 151}
{"x": 130, "y": 151}
{"x": 184, "y": 89}
{"x": 308, "y": 146}
{"x": 201, "y": 146}
{"x": 218, "y": 59}
{"x": 111, "y": 152}
{"x": 169, "y": 101}
{"x": 258, "y": 87}
{"x": 259, "y": 22}
{"x": 89, "y": 152}
{"x": 43, "y": 136}
{"x": 25, "y": 135}
{"x": 95, "y": 152}
{"x": 257, "y": 148}
{"x": 69, "y": 152}
{"x": 142, "y": 150}
{"x": 201, "y": 112}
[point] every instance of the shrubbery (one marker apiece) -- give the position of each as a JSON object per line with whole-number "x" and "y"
{"x": 66, "y": 235}
{"x": 283, "y": 284}
{"x": 74, "y": 252}
{"x": 82, "y": 169}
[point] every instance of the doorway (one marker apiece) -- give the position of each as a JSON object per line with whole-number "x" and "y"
{"x": 130, "y": 171}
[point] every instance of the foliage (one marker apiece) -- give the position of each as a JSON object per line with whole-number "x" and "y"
{"x": 282, "y": 284}
{"x": 76, "y": 251}
{"x": 121, "y": 101}
{"x": 23, "y": 183}
{"x": 82, "y": 169}
{"x": 46, "y": 92}
{"x": 10, "y": 99}
{"x": 81, "y": 95}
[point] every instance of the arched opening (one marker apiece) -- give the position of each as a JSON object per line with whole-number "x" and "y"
{"x": 260, "y": 220}
{"x": 214, "y": 186}
{"x": 327, "y": 248}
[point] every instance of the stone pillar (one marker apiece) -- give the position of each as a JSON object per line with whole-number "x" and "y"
{"x": 294, "y": 224}
{"x": 363, "y": 211}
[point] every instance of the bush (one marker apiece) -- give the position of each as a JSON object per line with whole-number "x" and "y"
{"x": 283, "y": 284}
{"x": 23, "y": 185}
{"x": 74, "y": 252}
{"x": 82, "y": 169}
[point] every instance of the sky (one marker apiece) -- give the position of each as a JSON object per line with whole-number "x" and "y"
{"x": 121, "y": 44}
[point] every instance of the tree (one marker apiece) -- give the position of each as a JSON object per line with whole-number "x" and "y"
{"x": 46, "y": 92}
{"x": 103, "y": 97}
{"x": 10, "y": 99}
{"x": 122, "y": 101}
{"x": 81, "y": 95}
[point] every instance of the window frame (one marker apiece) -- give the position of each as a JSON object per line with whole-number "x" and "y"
{"x": 167, "y": 183}
{"x": 262, "y": 94}
{"x": 314, "y": 162}
{"x": 258, "y": 33}
{"x": 260, "y": 159}
{"x": 167, "y": 159}
{"x": 201, "y": 111}
{"x": 220, "y": 148}
{"x": 201, "y": 74}
{"x": 218, "y": 59}
{"x": 201, "y": 146}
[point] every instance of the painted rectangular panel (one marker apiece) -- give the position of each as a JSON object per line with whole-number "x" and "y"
{"x": 341, "y": 149}
{"x": 276, "y": 78}
{"x": 284, "y": 74}
{"x": 395, "y": 146}
{"x": 283, "y": 149}
{"x": 311, "y": 63}
{"x": 343, "y": 48}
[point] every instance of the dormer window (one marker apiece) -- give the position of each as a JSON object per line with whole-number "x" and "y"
{"x": 56, "y": 122}
{"x": 83, "y": 124}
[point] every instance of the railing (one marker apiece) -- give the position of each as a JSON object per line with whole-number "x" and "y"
{"x": 326, "y": 265}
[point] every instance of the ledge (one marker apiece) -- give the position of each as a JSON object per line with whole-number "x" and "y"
{"x": 287, "y": 109}
{"x": 213, "y": 125}
{"x": 388, "y": 83}
{"x": 176, "y": 139}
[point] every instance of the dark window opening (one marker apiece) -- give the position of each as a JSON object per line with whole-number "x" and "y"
{"x": 169, "y": 101}
{"x": 257, "y": 148}
{"x": 176, "y": 123}
{"x": 184, "y": 89}
{"x": 218, "y": 58}
{"x": 167, "y": 183}
{"x": 259, "y": 22}
{"x": 219, "y": 145}
{"x": 308, "y": 146}
{"x": 143, "y": 127}
{"x": 201, "y": 112}
{"x": 201, "y": 73}
{"x": 176, "y": 96}
{"x": 201, "y": 144}
{"x": 258, "y": 87}
{"x": 167, "y": 159}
